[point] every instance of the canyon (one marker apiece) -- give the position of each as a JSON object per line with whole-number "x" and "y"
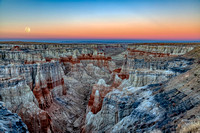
{"x": 99, "y": 88}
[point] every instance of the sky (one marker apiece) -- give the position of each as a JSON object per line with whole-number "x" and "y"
{"x": 100, "y": 19}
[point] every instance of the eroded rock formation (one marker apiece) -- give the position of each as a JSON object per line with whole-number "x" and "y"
{"x": 100, "y": 88}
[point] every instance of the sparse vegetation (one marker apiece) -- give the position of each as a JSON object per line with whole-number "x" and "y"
{"x": 156, "y": 131}
{"x": 190, "y": 127}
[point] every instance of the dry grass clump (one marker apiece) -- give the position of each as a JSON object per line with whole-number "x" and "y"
{"x": 156, "y": 131}
{"x": 189, "y": 127}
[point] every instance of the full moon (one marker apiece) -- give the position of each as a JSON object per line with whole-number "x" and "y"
{"x": 27, "y": 29}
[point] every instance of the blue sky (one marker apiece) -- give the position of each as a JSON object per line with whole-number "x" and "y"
{"x": 51, "y": 14}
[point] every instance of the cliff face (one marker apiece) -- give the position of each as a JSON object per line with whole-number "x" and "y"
{"x": 27, "y": 90}
{"x": 19, "y": 98}
{"x": 143, "y": 72}
{"x": 99, "y": 88}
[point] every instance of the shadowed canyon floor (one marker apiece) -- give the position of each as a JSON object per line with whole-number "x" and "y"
{"x": 99, "y": 88}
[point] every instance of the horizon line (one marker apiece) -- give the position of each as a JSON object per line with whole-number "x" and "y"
{"x": 126, "y": 39}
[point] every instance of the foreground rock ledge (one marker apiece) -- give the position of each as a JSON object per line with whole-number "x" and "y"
{"x": 11, "y": 122}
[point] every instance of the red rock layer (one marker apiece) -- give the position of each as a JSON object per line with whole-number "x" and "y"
{"x": 33, "y": 62}
{"x": 117, "y": 70}
{"x": 50, "y": 59}
{"x": 51, "y": 84}
{"x": 139, "y": 52}
{"x": 97, "y": 58}
{"x": 16, "y": 48}
{"x": 99, "y": 91}
{"x": 96, "y": 107}
{"x": 121, "y": 74}
{"x": 45, "y": 82}
{"x": 42, "y": 92}
{"x": 36, "y": 120}
{"x": 69, "y": 59}
{"x": 42, "y": 95}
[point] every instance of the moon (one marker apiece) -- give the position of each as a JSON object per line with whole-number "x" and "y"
{"x": 27, "y": 29}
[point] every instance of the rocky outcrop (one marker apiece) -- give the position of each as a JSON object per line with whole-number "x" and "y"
{"x": 10, "y": 122}
{"x": 99, "y": 91}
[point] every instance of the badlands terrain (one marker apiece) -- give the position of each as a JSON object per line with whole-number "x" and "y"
{"x": 99, "y": 88}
